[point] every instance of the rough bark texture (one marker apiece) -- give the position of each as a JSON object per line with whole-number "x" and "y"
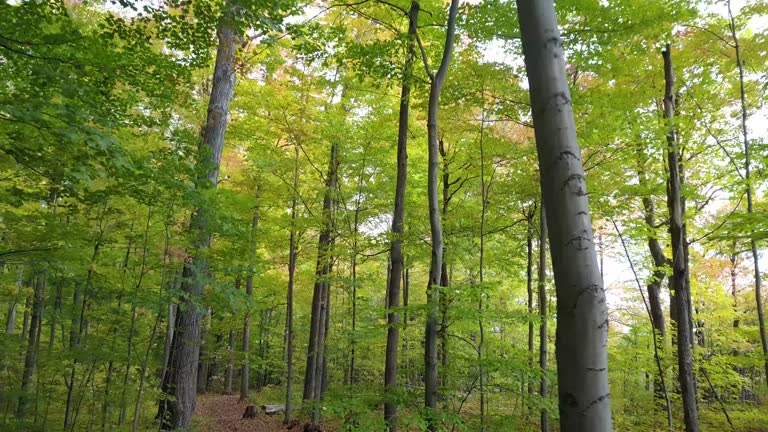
{"x": 542, "y": 294}
{"x": 396, "y": 248}
{"x": 747, "y": 179}
{"x": 582, "y": 320}
{"x": 436, "y": 230}
{"x": 679, "y": 280}
{"x": 181, "y": 376}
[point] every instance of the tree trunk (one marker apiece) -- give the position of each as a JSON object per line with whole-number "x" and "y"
{"x": 229, "y": 377}
{"x": 444, "y": 278}
{"x": 25, "y": 320}
{"x": 398, "y": 220}
{"x": 170, "y": 327}
{"x": 582, "y": 319}
{"x": 316, "y": 346}
{"x": 747, "y": 179}
{"x": 436, "y": 230}
{"x": 181, "y": 377}
{"x": 484, "y": 191}
{"x": 202, "y": 362}
{"x": 245, "y": 367}
{"x": 542, "y": 294}
{"x": 289, "y": 295}
{"x": 33, "y": 343}
{"x": 679, "y": 285}
{"x": 529, "y": 285}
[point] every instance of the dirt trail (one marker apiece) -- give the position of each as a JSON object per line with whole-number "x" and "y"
{"x": 221, "y": 413}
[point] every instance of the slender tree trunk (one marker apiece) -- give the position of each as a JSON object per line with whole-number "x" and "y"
{"x": 542, "y": 294}
{"x": 747, "y": 179}
{"x": 436, "y": 229}
{"x": 582, "y": 319}
{"x": 131, "y": 331}
{"x": 484, "y": 191}
{"x": 33, "y": 343}
{"x": 25, "y": 320}
{"x": 202, "y": 363}
{"x": 734, "y": 292}
{"x": 55, "y": 315}
{"x": 398, "y": 221}
{"x": 680, "y": 285}
{"x": 10, "y": 322}
{"x": 231, "y": 349}
{"x": 181, "y": 377}
{"x": 289, "y": 296}
{"x": 529, "y": 285}
{"x": 245, "y": 367}
{"x": 170, "y": 327}
{"x": 316, "y": 346}
{"x": 445, "y": 281}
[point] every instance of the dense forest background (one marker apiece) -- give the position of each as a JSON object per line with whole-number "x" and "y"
{"x": 196, "y": 197}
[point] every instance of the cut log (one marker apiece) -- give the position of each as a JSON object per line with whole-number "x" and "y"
{"x": 273, "y": 409}
{"x": 250, "y": 411}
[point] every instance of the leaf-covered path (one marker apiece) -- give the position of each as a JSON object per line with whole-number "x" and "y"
{"x": 222, "y": 413}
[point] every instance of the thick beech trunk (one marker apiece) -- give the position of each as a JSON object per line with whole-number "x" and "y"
{"x": 680, "y": 281}
{"x": 396, "y": 248}
{"x": 181, "y": 376}
{"x": 431, "y": 331}
{"x": 582, "y": 319}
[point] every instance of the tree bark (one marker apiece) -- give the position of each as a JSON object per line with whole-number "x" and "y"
{"x": 181, "y": 376}
{"x": 398, "y": 221}
{"x": 679, "y": 281}
{"x": 582, "y": 319}
{"x": 436, "y": 230}
{"x": 747, "y": 179}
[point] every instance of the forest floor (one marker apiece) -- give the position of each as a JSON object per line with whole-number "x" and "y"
{"x": 223, "y": 413}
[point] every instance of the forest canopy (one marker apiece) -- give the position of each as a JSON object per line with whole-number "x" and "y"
{"x": 383, "y": 215}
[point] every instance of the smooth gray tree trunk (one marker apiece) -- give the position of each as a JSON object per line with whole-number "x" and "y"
{"x": 582, "y": 318}
{"x": 436, "y": 229}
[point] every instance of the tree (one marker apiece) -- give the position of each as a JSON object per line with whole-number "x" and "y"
{"x": 396, "y": 246}
{"x": 582, "y": 322}
{"x": 181, "y": 377}
{"x": 680, "y": 282}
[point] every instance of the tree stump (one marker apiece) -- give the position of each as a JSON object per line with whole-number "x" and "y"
{"x": 250, "y": 411}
